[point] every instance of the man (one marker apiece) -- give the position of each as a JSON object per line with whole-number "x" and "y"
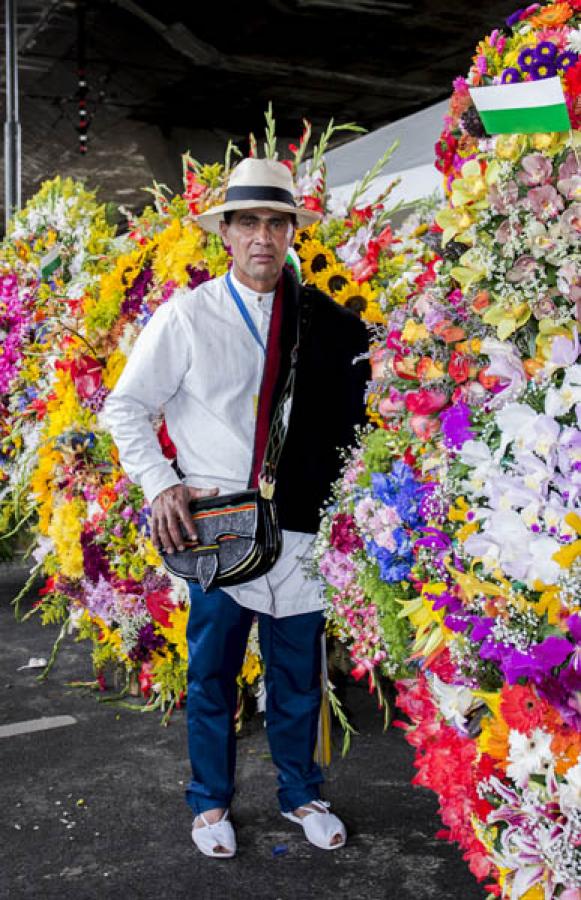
{"x": 217, "y": 367}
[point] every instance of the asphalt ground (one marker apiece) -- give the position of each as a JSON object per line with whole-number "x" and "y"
{"x": 94, "y": 810}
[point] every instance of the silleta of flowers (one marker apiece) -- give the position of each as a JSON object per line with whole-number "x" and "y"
{"x": 476, "y": 393}
{"x": 450, "y": 552}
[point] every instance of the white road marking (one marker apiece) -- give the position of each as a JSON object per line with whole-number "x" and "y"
{"x": 31, "y": 725}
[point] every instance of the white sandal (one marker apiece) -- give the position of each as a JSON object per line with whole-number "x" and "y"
{"x": 215, "y": 834}
{"x": 320, "y": 826}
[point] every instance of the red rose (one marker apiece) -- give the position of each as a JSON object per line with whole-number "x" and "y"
{"x": 424, "y": 402}
{"x": 458, "y": 367}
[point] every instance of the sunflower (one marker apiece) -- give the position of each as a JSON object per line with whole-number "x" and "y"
{"x": 333, "y": 279}
{"x": 357, "y": 297}
{"x": 304, "y": 235}
{"x": 315, "y": 257}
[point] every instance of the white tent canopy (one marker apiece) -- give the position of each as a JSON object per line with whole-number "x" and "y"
{"x": 413, "y": 160}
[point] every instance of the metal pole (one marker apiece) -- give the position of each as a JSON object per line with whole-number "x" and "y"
{"x": 12, "y": 174}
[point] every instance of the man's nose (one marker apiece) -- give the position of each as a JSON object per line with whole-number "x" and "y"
{"x": 263, "y": 232}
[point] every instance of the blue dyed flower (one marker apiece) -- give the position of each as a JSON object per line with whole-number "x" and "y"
{"x": 546, "y": 50}
{"x": 543, "y": 69}
{"x": 565, "y": 60}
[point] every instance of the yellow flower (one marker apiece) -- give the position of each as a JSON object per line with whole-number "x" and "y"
{"x": 357, "y": 297}
{"x": 470, "y": 271}
{"x": 471, "y": 187}
{"x": 457, "y": 513}
{"x": 314, "y": 258}
{"x": 550, "y": 144}
{"x": 549, "y": 603}
{"x": 251, "y": 667}
{"x": 464, "y": 533}
{"x": 431, "y": 633}
{"x": 113, "y": 369}
{"x": 567, "y": 555}
{"x": 333, "y": 278}
{"x": 536, "y": 892}
{"x": 507, "y": 320}
{"x": 455, "y": 224}
{"x": 177, "y": 247}
{"x": 176, "y": 633}
{"x": 414, "y": 331}
{"x": 510, "y": 146}
{"x": 65, "y": 530}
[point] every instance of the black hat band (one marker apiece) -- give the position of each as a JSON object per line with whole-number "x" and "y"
{"x": 250, "y": 192}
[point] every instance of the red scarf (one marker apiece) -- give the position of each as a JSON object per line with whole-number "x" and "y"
{"x": 267, "y": 386}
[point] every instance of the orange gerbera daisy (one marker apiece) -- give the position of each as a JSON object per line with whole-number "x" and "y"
{"x": 523, "y": 709}
{"x": 556, "y": 14}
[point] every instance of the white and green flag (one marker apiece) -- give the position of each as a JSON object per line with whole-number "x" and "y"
{"x": 524, "y": 107}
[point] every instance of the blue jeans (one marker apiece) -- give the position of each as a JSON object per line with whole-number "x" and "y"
{"x": 217, "y": 633}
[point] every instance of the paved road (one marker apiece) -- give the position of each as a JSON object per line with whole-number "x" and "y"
{"x": 94, "y": 810}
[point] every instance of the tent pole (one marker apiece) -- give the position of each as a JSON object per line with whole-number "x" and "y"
{"x": 12, "y": 174}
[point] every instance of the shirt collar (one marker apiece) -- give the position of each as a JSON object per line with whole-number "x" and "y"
{"x": 250, "y": 296}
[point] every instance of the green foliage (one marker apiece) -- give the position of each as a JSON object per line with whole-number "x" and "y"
{"x": 397, "y": 632}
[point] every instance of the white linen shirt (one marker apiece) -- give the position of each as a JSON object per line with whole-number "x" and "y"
{"x": 197, "y": 361}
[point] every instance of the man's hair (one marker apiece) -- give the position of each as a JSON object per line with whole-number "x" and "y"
{"x": 228, "y": 216}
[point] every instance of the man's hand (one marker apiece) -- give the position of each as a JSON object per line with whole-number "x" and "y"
{"x": 170, "y": 516}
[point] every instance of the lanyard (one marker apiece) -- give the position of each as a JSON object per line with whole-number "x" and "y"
{"x": 242, "y": 308}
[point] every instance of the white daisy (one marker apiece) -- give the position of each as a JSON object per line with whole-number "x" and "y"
{"x": 574, "y": 40}
{"x": 528, "y": 755}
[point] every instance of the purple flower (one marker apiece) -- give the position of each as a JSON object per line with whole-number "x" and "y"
{"x": 565, "y": 60}
{"x": 515, "y": 18}
{"x": 563, "y": 691}
{"x": 510, "y": 75}
{"x": 455, "y": 424}
{"x": 527, "y": 59}
{"x": 147, "y": 641}
{"x": 543, "y": 69}
{"x": 546, "y": 50}
{"x": 481, "y": 627}
{"x": 197, "y": 276}
{"x": 95, "y": 563}
{"x": 137, "y": 291}
{"x": 538, "y": 661}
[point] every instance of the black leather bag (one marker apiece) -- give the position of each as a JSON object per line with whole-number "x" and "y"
{"x": 239, "y": 538}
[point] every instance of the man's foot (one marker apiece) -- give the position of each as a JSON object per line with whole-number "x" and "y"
{"x": 213, "y": 834}
{"x": 322, "y": 828}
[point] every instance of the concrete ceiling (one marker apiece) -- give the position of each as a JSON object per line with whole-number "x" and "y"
{"x": 166, "y": 77}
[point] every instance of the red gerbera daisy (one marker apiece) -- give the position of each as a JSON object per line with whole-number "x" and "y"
{"x": 522, "y": 708}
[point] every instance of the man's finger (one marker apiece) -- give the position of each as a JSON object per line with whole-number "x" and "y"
{"x": 187, "y": 524}
{"x": 166, "y": 542}
{"x": 173, "y": 526}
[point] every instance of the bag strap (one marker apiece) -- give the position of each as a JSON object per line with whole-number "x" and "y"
{"x": 279, "y": 428}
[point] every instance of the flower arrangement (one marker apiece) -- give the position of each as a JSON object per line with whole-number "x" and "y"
{"x": 476, "y": 385}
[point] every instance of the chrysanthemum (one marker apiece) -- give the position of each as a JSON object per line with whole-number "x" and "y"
{"x": 315, "y": 257}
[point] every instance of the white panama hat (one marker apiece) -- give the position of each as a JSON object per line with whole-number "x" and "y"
{"x": 258, "y": 183}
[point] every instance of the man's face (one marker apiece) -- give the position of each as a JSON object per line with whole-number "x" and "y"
{"x": 259, "y": 240}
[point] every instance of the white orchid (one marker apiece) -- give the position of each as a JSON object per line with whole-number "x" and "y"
{"x": 506, "y": 364}
{"x": 560, "y": 400}
{"x": 454, "y": 701}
